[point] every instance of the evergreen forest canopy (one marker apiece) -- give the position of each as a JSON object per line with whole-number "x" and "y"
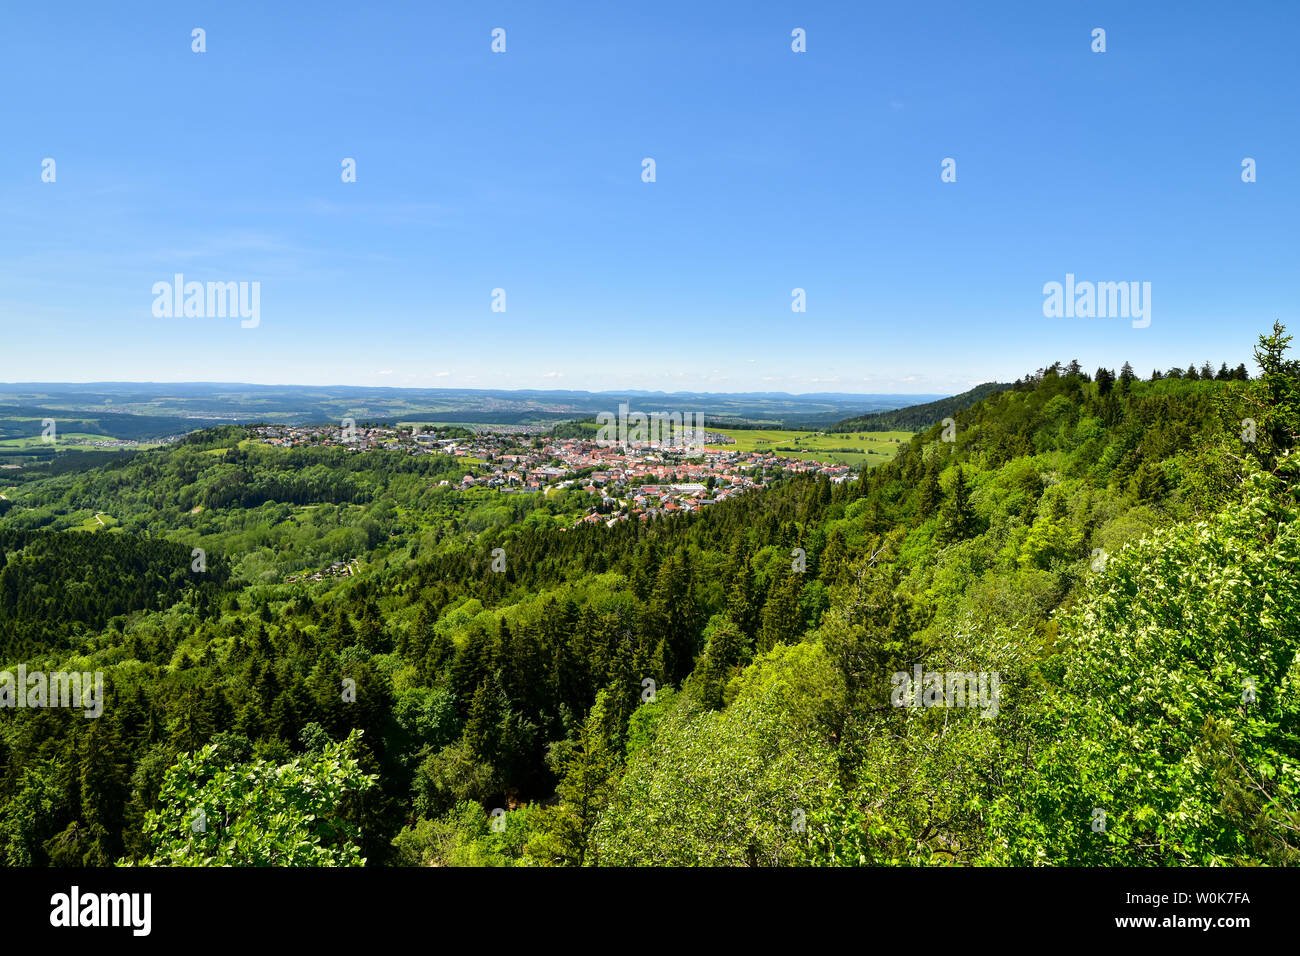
{"x": 1114, "y": 562}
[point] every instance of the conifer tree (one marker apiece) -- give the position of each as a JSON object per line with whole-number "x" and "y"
{"x": 930, "y": 495}
{"x": 959, "y": 520}
{"x": 1277, "y": 394}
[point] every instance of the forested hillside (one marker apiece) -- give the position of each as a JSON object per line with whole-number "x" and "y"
{"x": 1117, "y": 557}
{"x": 917, "y": 417}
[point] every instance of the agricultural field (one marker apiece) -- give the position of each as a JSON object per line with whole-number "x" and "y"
{"x": 847, "y": 448}
{"x": 64, "y": 441}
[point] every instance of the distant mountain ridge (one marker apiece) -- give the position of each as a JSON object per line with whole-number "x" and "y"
{"x": 177, "y": 405}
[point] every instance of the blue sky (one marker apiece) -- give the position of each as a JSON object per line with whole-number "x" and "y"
{"x": 522, "y": 171}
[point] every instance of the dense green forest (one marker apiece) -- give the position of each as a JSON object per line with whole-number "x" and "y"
{"x": 1118, "y": 557}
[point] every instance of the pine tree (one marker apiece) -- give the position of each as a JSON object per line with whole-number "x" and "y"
{"x": 725, "y": 650}
{"x": 486, "y": 711}
{"x": 587, "y": 770}
{"x": 781, "y": 618}
{"x": 742, "y": 600}
{"x": 1277, "y": 393}
{"x": 1149, "y": 482}
{"x": 105, "y": 778}
{"x": 930, "y": 493}
{"x": 959, "y": 520}
{"x": 671, "y": 619}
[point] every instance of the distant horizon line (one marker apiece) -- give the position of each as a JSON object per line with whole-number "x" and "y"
{"x": 447, "y": 388}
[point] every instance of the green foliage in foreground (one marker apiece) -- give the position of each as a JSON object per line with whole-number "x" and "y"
{"x": 258, "y": 813}
{"x": 1176, "y": 714}
{"x": 726, "y": 788}
{"x": 1161, "y": 730}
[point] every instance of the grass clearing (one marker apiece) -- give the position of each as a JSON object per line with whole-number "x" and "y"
{"x": 847, "y": 448}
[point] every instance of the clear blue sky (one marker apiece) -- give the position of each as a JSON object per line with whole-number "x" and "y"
{"x": 522, "y": 171}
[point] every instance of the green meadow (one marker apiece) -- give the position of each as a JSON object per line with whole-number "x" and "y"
{"x": 63, "y": 440}
{"x": 847, "y": 448}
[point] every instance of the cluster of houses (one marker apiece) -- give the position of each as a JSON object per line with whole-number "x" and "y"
{"x": 651, "y": 485}
{"x": 347, "y": 435}
{"x": 626, "y": 481}
{"x": 404, "y": 438}
{"x": 118, "y": 442}
{"x": 339, "y": 569}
